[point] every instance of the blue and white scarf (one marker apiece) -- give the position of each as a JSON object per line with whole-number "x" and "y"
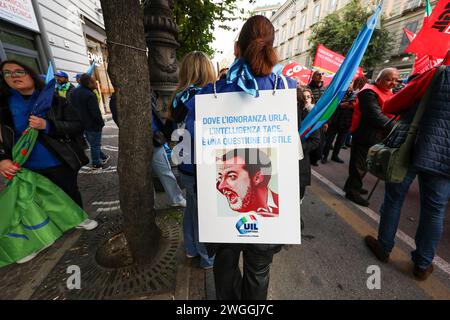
{"x": 240, "y": 74}
{"x": 185, "y": 95}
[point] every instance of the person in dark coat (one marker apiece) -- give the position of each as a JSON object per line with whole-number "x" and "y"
{"x": 339, "y": 126}
{"x": 308, "y": 145}
{"x": 86, "y": 103}
{"x": 58, "y": 154}
{"x": 373, "y": 127}
{"x": 64, "y": 88}
{"x": 113, "y": 105}
{"x": 317, "y": 88}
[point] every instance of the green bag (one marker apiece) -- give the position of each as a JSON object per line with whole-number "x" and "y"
{"x": 34, "y": 211}
{"x": 391, "y": 164}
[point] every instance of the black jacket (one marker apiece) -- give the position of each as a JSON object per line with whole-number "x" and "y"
{"x": 317, "y": 90}
{"x": 374, "y": 124}
{"x": 86, "y": 103}
{"x": 309, "y": 144}
{"x": 63, "y": 140}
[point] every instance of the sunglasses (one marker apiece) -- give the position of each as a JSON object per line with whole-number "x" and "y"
{"x": 17, "y": 73}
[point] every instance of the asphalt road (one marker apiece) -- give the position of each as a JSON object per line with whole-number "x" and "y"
{"x": 333, "y": 262}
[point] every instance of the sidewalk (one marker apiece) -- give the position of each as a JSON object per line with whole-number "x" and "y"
{"x": 172, "y": 276}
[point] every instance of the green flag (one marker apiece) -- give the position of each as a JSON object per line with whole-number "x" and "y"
{"x": 428, "y": 9}
{"x": 34, "y": 211}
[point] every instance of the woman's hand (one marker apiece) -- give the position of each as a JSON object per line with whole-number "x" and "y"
{"x": 37, "y": 123}
{"x": 8, "y": 168}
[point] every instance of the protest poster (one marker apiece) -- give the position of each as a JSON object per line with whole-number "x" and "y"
{"x": 247, "y": 152}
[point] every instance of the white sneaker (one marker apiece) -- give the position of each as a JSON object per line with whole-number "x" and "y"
{"x": 28, "y": 258}
{"x": 88, "y": 225}
{"x": 182, "y": 203}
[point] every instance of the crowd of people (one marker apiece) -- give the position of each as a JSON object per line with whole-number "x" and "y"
{"x": 364, "y": 117}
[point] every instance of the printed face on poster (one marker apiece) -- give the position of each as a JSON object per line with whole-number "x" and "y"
{"x": 247, "y": 167}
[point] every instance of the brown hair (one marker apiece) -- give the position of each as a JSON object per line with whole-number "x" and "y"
{"x": 310, "y": 92}
{"x": 359, "y": 82}
{"x": 256, "y": 45}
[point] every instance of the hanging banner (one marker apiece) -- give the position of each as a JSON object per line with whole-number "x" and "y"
{"x": 298, "y": 72}
{"x": 247, "y": 167}
{"x": 329, "y": 61}
{"x": 20, "y": 13}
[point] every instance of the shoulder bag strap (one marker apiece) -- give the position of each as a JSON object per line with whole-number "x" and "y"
{"x": 421, "y": 109}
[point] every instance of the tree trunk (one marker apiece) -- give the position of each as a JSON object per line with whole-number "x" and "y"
{"x": 128, "y": 68}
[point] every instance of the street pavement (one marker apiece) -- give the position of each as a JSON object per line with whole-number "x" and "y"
{"x": 331, "y": 263}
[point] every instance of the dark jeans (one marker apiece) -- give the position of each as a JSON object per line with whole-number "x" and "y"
{"x": 230, "y": 284}
{"x": 334, "y": 131}
{"x": 356, "y": 169}
{"x": 434, "y": 196}
{"x": 394, "y": 197}
{"x": 95, "y": 142}
{"x": 66, "y": 179}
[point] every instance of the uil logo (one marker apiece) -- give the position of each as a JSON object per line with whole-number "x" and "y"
{"x": 247, "y": 225}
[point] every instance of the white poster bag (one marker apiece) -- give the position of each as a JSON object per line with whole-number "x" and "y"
{"x": 247, "y": 153}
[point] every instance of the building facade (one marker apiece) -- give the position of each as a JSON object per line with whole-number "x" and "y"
{"x": 294, "y": 20}
{"x": 401, "y": 14}
{"x": 69, "y": 33}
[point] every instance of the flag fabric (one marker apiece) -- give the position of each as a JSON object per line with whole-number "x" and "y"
{"x": 328, "y": 103}
{"x": 92, "y": 68}
{"x": 428, "y": 9}
{"x": 329, "y": 61}
{"x": 434, "y": 37}
{"x": 34, "y": 211}
{"x": 423, "y": 62}
{"x": 297, "y": 71}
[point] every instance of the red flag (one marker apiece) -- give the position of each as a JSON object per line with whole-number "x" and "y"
{"x": 298, "y": 72}
{"x": 409, "y": 34}
{"x": 423, "y": 62}
{"x": 434, "y": 37}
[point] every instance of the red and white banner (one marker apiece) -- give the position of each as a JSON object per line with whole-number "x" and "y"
{"x": 19, "y": 12}
{"x": 329, "y": 61}
{"x": 298, "y": 72}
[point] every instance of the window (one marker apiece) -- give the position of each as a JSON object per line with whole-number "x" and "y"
{"x": 412, "y": 26}
{"x": 283, "y": 34}
{"x": 300, "y": 43}
{"x": 289, "y": 50}
{"x": 332, "y": 5}
{"x": 292, "y": 28}
{"x": 302, "y": 24}
{"x": 316, "y": 14}
{"x": 19, "y": 47}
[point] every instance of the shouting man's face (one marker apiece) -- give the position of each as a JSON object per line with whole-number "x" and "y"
{"x": 235, "y": 183}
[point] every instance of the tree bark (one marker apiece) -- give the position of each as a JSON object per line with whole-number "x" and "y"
{"x": 128, "y": 68}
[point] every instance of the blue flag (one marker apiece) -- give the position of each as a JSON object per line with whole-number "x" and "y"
{"x": 92, "y": 68}
{"x": 45, "y": 99}
{"x": 327, "y": 104}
